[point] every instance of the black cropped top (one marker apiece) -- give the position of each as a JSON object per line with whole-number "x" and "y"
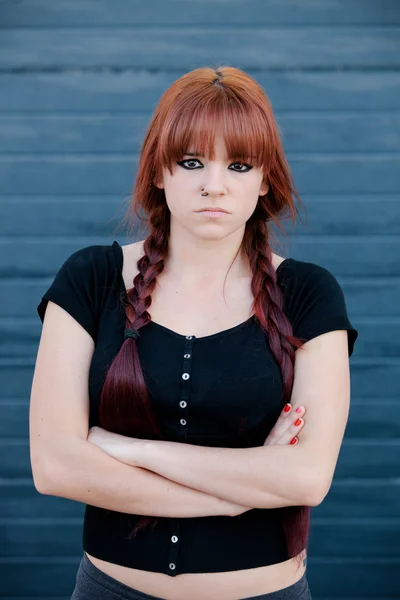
{"x": 201, "y": 388}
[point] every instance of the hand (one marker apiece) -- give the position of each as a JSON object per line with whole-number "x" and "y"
{"x": 284, "y": 430}
{"x": 118, "y": 446}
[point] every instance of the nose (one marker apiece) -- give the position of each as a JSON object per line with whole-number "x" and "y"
{"x": 214, "y": 183}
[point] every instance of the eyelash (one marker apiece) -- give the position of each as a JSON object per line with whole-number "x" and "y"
{"x": 181, "y": 163}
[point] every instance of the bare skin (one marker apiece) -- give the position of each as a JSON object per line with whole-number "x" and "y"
{"x": 204, "y": 312}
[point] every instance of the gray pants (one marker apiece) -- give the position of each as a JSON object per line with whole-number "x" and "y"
{"x": 91, "y": 583}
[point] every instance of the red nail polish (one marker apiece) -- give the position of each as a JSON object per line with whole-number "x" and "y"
{"x": 294, "y": 440}
{"x": 287, "y": 408}
{"x": 297, "y": 423}
{"x": 298, "y": 409}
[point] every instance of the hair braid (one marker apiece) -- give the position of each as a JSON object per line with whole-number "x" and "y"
{"x": 268, "y": 307}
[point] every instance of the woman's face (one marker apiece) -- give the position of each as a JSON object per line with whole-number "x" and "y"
{"x": 232, "y": 186}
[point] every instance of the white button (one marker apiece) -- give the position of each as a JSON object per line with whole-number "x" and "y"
{"x": 174, "y": 539}
{"x": 172, "y": 566}
{"x": 185, "y": 376}
{"x": 182, "y": 404}
{"x": 186, "y": 356}
{"x": 183, "y": 422}
{"x": 189, "y": 337}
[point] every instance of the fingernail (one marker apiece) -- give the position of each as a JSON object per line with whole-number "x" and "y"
{"x": 287, "y": 408}
{"x": 297, "y": 423}
{"x": 299, "y": 409}
{"x": 293, "y": 442}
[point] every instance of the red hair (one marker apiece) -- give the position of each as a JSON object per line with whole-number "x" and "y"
{"x": 189, "y": 112}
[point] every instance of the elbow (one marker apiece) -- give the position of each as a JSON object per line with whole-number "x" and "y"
{"x": 43, "y": 475}
{"x": 42, "y": 480}
{"x": 315, "y": 490}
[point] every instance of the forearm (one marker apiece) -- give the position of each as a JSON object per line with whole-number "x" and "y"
{"x": 254, "y": 477}
{"x": 80, "y": 471}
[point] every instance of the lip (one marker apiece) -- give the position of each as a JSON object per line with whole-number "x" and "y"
{"x": 213, "y": 209}
{"x": 213, "y": 214}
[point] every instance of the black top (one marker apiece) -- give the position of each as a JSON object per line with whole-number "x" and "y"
{"x": 229, "y": 374}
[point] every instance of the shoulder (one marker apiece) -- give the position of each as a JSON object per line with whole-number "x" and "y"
{"x": 90, "y": 269}
{"x": 314, "y": 300}
{"x": 89, "y": 259}
{"x": 300, "y": 273}
{"x": 277, "y": 260}
{"x": 82, "y": 284}
{"x": 310, "y": 289}
{"x": 89, "y": 255}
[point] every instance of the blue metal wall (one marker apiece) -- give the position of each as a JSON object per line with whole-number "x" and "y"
{"x": 78, "y": 81}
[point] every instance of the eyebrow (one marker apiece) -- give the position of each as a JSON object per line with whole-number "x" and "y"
{"x": 198, "y": 154}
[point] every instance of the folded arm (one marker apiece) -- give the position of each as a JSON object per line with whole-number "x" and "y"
{"x": 301, "y": 474}
{"x": 78, "y": 470}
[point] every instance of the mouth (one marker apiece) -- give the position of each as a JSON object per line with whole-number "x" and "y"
{"x": 213, "y": 209}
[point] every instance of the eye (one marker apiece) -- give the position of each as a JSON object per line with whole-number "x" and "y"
{"x": 248, "y": 167}
{"x": 194, "y": 160}
{"x": 188, "y": 160}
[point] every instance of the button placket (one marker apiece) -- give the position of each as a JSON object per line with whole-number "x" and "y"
{"x": 173, "y": 547}
{"x": 183, "y": 412}
{"x": 186, "y": 383}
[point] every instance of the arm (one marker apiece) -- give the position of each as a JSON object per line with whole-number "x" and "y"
{"x": 80, "y": 471}
{"x": 261, "y": 477}
{"x": 128, "y": 450}
{"x": 302, "y": 474}
{"x": 64, "y": 463}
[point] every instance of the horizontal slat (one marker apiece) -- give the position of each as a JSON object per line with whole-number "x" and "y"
{"x": 369, "y": 578}
{"x": 97, "y": 215}
{"x": 380, "y": 337}
{"x": 327, "y": 214}
{"x": 378, "y": 458}
{"x": 370, "y": 256}
{"x": 369, "y": 377}
{"x": 314, "y": 132}
{"x": 365, "y": 498}
{"x": 329, "y": 538}
{"x": 19, "y": 498}
{"x": 70, "y": 216}
{"x": 141, "y": 90}
{"x": 185, "y": 48}
{"x": 115, "y": 173}
{"x": 257, "y": 12}
{"x": 368, "y": 418}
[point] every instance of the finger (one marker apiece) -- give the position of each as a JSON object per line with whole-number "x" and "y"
{"x": 284, "y": 423}
{"x": 291, "y": 432}
{"x": 278, "y": 429}
{"x": 283, "y": 417}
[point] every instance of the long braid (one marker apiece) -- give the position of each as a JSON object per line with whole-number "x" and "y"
{"x": 268, "y": 307}
{"x": 134, "y": 415}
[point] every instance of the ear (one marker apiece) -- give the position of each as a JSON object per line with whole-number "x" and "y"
{"x": 160, "y": 185}
{"x": 263, "y": 188}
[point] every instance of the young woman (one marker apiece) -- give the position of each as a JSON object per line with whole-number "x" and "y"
{"x": 173, "y": 373}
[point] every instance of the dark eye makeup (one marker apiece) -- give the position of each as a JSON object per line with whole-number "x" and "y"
{"x": 182, "y": 164}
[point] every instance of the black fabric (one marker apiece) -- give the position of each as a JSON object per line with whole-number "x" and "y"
{"x": 230, "y": 397}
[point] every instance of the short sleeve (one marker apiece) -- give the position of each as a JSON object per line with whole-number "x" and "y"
{"x": 318, "y": 305}
{"x": 73, "y": 289}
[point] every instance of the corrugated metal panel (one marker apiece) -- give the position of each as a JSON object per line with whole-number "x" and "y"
{"x": 78, "y": 82}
